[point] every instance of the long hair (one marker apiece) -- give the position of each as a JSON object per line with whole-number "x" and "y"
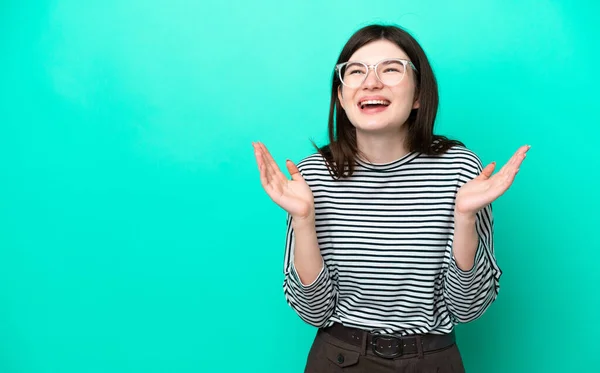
{"x": 341, "y": 152}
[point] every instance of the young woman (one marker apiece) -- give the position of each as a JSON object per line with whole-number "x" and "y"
{"x": 390, "y": 229}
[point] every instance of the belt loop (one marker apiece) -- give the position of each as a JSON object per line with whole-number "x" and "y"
{"x": 419, "y": 342}
{"x": 365, "y": 337}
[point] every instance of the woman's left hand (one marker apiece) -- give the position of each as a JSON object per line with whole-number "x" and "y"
{"x": 485, "y": 188}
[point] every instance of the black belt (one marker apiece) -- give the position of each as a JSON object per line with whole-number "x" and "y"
{"x": 388, "y": 346}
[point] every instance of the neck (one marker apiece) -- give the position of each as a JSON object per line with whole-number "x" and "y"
{"x": 381, "y": 148}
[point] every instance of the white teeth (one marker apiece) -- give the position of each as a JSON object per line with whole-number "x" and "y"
{"x": 374, "y": 102}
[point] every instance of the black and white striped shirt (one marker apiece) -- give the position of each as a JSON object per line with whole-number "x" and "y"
{"x": 385, "y": 235}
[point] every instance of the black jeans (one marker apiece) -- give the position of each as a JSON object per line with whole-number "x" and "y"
{"x": 330, "y": 355}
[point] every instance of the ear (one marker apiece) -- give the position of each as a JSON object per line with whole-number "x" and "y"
{"x": 416, "y": 104}
{"x": 340, "y": 96}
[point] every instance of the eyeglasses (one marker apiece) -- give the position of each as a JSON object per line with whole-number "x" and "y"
{"x": 389, "y": 71}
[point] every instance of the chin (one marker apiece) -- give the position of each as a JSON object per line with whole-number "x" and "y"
{"x": 376, "y": 127}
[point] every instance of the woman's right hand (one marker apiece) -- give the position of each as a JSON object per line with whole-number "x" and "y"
{"x": 294, "y": 195}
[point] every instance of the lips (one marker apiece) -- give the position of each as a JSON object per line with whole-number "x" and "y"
{"x": 373, "y": 102}
{"x": 373, "y": 105}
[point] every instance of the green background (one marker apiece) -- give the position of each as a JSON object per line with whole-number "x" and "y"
{"x": 135, "y": 236}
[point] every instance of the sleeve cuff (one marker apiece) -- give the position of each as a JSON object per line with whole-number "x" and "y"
{"x": 308, "y": 287}
{"x": 466, "y": 277}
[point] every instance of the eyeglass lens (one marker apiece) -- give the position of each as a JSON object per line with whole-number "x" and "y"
{"x": 389, "y": 72}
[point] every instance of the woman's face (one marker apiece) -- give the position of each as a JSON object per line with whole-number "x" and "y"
{"x": 392, "y": 105}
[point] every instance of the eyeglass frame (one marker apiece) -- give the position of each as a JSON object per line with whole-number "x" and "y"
{"x": 404, "y": 61}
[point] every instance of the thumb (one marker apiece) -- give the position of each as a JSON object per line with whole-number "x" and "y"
{"x": 293, "y": 170}
{"x": 487, "y": 172}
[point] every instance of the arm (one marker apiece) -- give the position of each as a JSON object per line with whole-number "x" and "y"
{"x": 466, "y": 240}
{"x": 308, "y": 287}
{"x": 308, "y": 262}
{"x": 472, "y": 277}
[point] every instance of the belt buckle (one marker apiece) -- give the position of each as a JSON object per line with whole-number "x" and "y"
{"x": 386, "y": 339}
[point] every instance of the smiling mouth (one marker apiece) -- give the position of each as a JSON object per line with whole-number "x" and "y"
{"x": 373, "y": 103}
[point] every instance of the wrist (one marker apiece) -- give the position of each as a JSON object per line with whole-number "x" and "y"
{"x": 300, "y": 223}
{"x": 464, "y": 217}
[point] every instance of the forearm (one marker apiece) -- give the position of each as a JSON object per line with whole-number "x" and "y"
{"x": 465, "y": 240}
{"x": 307, "y": 256}
{"x": 308, "y": 286}
{"x": 472, "y": 277}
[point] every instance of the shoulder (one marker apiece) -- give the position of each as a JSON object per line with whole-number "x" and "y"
{"x": 468, "y": 164}
{"x": 311, "y": 161}
{"x": 463, "y": 156}
{"x": 313, "y": 165}
{"x": 461, "y": 159}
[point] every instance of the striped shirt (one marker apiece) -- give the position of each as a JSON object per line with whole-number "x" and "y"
{"x": 385, "y": 235}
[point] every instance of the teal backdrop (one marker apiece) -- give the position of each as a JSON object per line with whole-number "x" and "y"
{"x": 135, "y": 236}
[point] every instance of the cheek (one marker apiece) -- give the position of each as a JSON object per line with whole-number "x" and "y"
{"x": 347, "y": 99}
{"x": 405, "y": 95}
{"x": 348, "y": 103}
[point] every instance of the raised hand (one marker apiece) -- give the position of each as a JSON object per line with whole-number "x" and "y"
{"x": 485, "y": 188}
{"x": 294, "y": 195}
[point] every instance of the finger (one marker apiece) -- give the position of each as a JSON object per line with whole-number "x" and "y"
{"x": 512, "y": 160}
{"x": 273, "y": 189}
{"x": 257, "y": 155}
{"x": 269, "y": 172}
{"x": 262, "y": 168}
{"x": 501, "y": 182}
{"x": 525, "y": 148}
{"x": 500, "y": 187}
{"x": 487, "y": 172}
{"x": 507, "y": 181}
{"x": 268, "y": 157}
{"x": 275, "y": 177}
{"x": 266, "y": 179}
{"x": 514, "y": 163}
{"x": 275, "y": 171}
{"x": 293, "y": 170}
{"x": 263, "y": 176}
{"x": 505, "y": 172}
{"x": 504, "y": 178}
{"x": 519, "y": 155}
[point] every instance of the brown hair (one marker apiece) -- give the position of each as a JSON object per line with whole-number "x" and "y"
{"x": 340, "y": 154}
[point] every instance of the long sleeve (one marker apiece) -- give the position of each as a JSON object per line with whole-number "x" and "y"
{"x": 315, "y": 302}
{"x": 469, "y": 293}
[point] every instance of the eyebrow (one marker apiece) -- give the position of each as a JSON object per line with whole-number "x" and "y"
{"x": 385, "y": 59}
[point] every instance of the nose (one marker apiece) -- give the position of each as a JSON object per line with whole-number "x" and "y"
{"x": 371, "y": 80}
